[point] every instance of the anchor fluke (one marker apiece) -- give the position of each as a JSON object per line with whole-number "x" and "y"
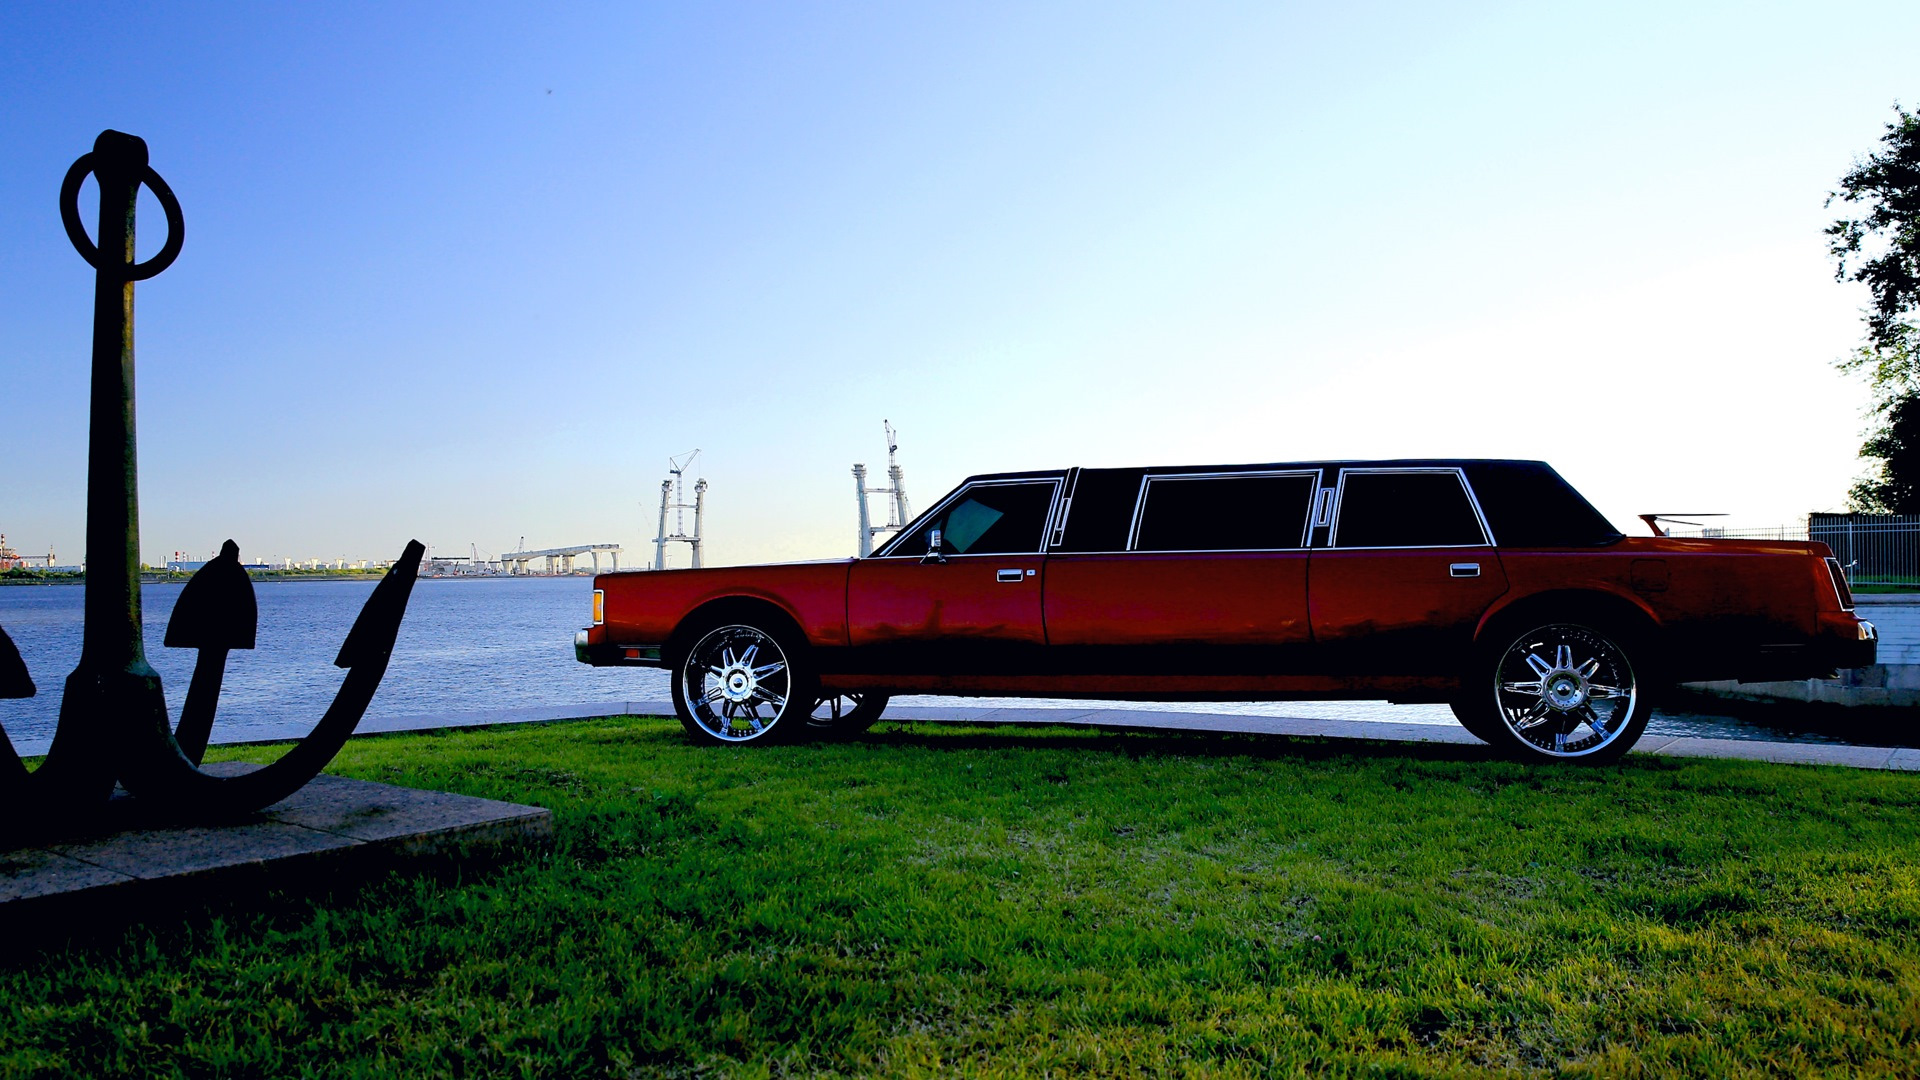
{"x": 215, "y": 613}
{"x": 14, "y": 680}
{"x": 175, "y": 780}
{"x": 373, "y": 634}
{"x": 216, "y": 609}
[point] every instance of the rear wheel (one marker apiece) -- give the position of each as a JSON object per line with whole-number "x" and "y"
{"x": 743, "y": 683}
{"x": 1560, "y": 691}
{"x": 841, "y": 715}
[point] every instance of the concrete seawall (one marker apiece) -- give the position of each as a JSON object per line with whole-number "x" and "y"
{"x": 1894, "y": 681}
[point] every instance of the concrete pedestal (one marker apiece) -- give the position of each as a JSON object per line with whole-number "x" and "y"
{"x": 332, "y": 830}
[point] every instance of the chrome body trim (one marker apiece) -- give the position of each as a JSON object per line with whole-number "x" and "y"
{"x": 1322, "y": 509}
{"x": 1459, "y": 474}
{"x": 1146, "y": 482}
{"x": 1059, "y": 534}
{"x": 1842, "y": 591}
{"x": 1054, "y": 510}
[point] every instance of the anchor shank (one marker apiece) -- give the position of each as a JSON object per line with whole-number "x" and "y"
{"x": 112, "y": 639}
{"x": 203, "y": 698}
{"x": 112, "y": 691}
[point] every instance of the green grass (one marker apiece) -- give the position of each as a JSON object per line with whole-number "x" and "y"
{"x": 938, "y": 899}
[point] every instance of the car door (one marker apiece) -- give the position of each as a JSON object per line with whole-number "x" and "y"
{"x": 971, "y": 607}
{"x": 1182, "y": 572}
{"x": 1405, "y": 572}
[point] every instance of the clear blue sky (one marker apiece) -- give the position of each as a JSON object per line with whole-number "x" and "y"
{"x": 472, "y": 272}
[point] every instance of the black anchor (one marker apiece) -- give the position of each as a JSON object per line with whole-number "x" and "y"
{"x": 113, "y": 720}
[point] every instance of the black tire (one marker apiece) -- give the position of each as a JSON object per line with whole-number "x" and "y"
{"x": 1563, "y": 692}
{"x": 840, "y": 716}
{"x": 744, "y": 682}
{"x": 1481, "y": 723}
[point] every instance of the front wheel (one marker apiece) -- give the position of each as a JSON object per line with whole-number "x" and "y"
{"x": 1559, "y": 692}
{"x": 742, "y": 683}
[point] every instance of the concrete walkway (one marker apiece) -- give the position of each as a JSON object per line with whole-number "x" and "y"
{"x": 1799, "y": 753}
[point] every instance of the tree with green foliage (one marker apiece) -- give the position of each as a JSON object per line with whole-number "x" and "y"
{"x": 1881, "y": 249}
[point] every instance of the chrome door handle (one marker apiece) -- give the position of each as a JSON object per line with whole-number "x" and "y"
{"x": 1009, "y": 575}
{"x": 1464, "y": 569}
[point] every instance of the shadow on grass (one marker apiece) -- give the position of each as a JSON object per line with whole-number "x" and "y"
{"x": 1141, "y": 742}
{"x": 179, "y": 917}
{"x": 1137, "y": 743}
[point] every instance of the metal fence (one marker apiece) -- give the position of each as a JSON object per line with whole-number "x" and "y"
{"x": 1875, "y": 549}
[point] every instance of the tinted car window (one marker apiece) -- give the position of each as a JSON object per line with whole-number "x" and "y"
{"x": 1224, "y": 513}
{"x": 1528, "y": 505}
{"x": 1405, "y": 509}
{"x": 1101, "y": 513}
{"x": 988, "y": 519}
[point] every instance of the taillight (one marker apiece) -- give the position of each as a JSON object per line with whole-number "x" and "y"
{"x": 1840, "y": 589}
{"x": 600, "y": 605}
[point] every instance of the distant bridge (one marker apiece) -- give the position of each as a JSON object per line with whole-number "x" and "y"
{"x": 560, "y": 559}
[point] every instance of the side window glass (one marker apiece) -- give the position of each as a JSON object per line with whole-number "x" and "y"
{"x": 969, "y": 520}
{"x": 1101, "y": 514}
{"x": 1225, "y": 513}
{"x": 1405, "y": 509}
{"x": 988, "y": 519}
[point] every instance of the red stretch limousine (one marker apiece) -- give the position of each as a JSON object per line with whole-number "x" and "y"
{"x": 1492, "y": 586}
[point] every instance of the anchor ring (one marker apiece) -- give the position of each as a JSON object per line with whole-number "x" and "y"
{"x": 77, "y": 232}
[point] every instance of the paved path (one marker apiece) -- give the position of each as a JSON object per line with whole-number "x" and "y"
{"x": 1803, "y": 753}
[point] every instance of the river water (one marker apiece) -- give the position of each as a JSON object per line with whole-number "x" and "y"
{"x": 500, "y": 643}
{"x": 473, "y": 644}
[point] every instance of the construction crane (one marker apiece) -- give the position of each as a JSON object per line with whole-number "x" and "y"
{"x": 897, "y": 512}
{"x": 673, "y": 497}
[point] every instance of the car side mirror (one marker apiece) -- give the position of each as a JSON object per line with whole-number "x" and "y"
{"x": 934, "y": 553}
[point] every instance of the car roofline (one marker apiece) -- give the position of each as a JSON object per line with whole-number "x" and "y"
{"x": 1266, "y": 466}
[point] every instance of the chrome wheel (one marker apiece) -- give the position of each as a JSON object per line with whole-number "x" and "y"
{"x": 1568, "y": 691}
{"x": 736, "y": 684}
